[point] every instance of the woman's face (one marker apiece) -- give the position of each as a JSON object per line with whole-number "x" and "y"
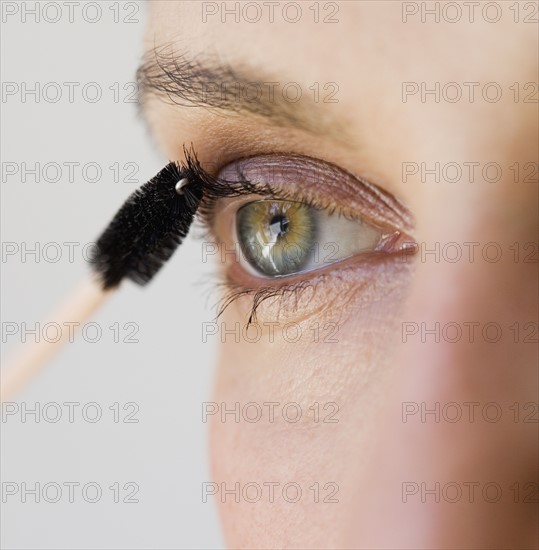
{"x": 386, "y": 399}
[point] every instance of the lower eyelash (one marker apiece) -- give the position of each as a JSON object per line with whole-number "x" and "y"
{"x": 233, "y": 292}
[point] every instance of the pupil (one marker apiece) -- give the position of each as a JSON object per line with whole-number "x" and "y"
{"x": 279, "y": 225}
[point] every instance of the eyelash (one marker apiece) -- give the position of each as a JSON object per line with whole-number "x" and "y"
{"x": 259, "y": 295}
{"x": 216, "y": 188}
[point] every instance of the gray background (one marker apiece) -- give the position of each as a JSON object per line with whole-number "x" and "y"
{"x": 167, "y": 374}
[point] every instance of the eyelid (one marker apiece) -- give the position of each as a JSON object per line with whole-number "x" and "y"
{"x": 324, "y": 185}
{"x": 314, "y": 182}
{"x": 332, "y": 286}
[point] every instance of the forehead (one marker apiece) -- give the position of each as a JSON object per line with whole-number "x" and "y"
{"x": 349, "y": 41}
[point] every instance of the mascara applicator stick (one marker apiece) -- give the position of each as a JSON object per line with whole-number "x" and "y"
{"x": 141, "y": 237}
{"x": 27, "y": 361}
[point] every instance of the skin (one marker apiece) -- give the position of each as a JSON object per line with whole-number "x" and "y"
{"x": 370, "y": 372}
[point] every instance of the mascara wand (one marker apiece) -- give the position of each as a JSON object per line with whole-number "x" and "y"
{"x": 141, "y": 237}
{"x": 148, "y": 228}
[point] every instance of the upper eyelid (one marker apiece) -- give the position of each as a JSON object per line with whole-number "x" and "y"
{"x": 325, "y": 185}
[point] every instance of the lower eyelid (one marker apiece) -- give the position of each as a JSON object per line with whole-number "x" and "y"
{"x": 335, "y": 290}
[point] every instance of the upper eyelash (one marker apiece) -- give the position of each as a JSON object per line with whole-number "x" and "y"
{"x": 216, "y": 188}
{"x": 370, "y": 203}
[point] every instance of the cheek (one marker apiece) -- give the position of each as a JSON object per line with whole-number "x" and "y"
{"x": 295, "y": 412}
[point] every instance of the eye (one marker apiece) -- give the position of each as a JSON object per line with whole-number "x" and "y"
{"x": 278, "y": 238}
{"x": 285, "y": 224}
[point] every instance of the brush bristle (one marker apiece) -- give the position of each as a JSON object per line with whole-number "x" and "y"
{"x": 148, "y": 228}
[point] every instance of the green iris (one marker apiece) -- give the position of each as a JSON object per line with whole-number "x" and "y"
{"x": 277, "y": 237}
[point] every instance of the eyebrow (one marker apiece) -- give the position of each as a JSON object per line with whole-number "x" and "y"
{"x": 219, "y": 88}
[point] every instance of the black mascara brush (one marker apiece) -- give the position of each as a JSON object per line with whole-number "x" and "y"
{"x": 141, "y": 237}
{"x": 148, "y": 228}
